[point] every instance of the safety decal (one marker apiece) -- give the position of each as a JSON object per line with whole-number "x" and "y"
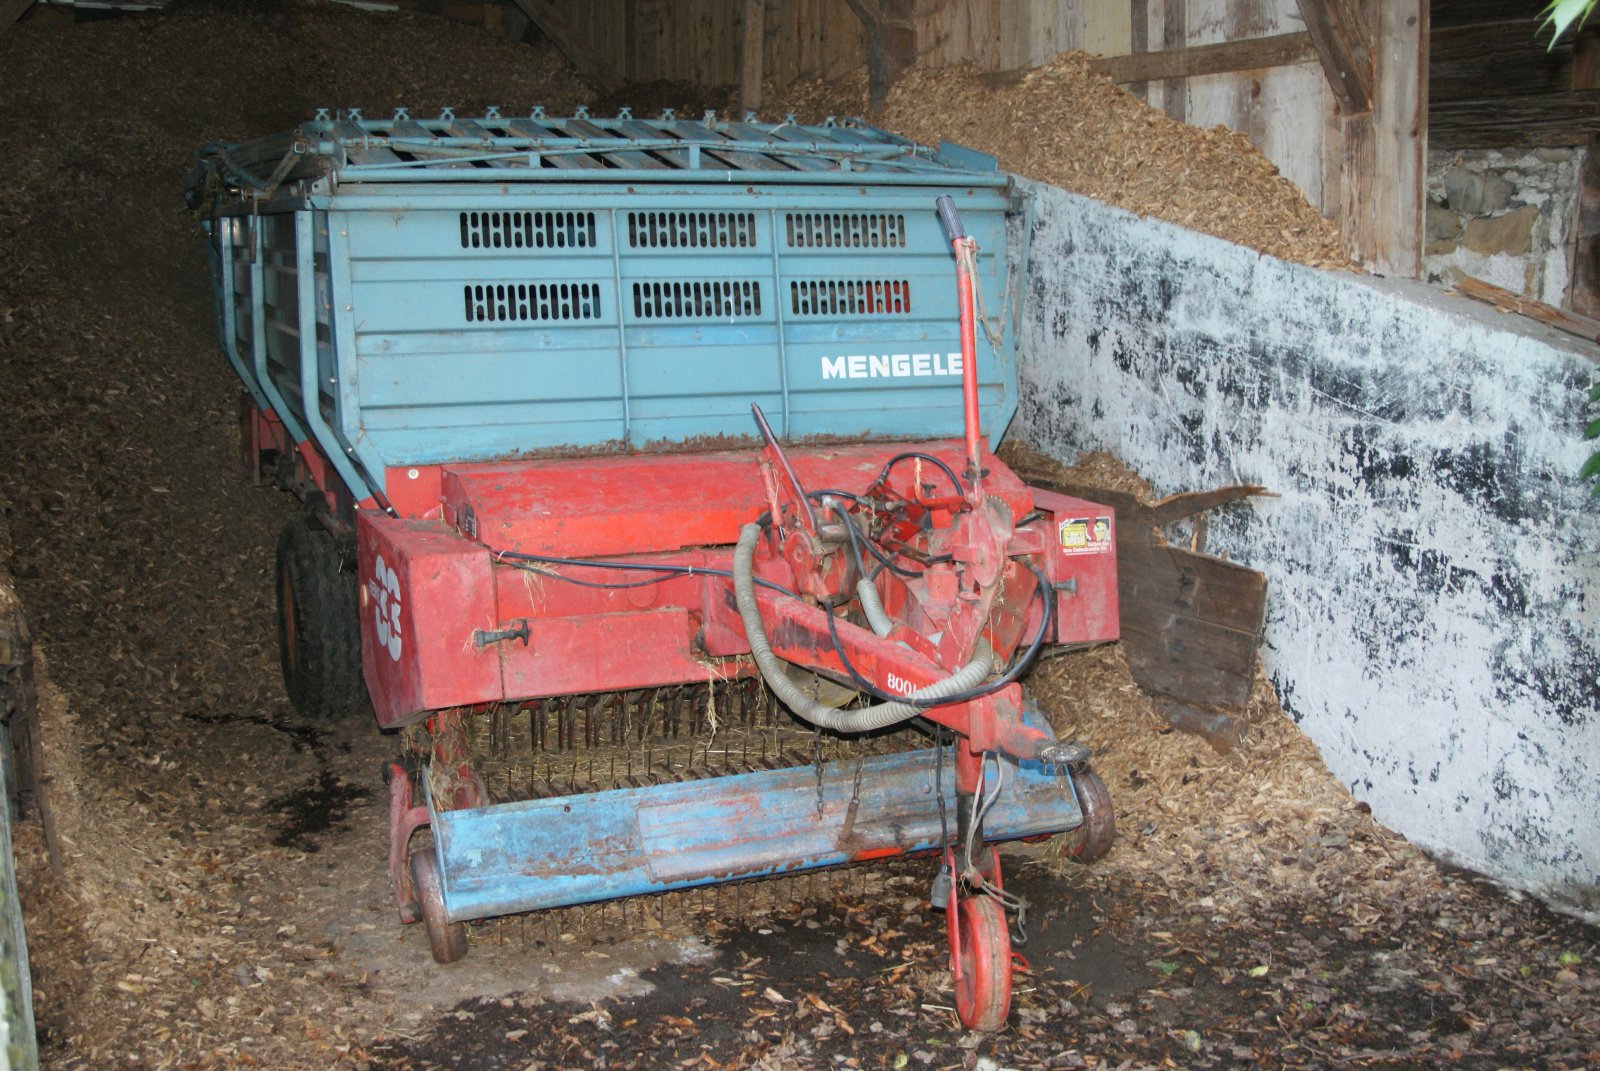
{"x": 1085, "y": 535}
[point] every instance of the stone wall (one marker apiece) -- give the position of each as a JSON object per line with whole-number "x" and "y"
{"x": 1434, "y": 599}
{"x": 1504, "y": 216}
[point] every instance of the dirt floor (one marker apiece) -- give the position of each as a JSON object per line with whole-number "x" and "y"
{"x": 225, "y": 902}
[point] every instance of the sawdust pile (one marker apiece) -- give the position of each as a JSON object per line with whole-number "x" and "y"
{"x": 1065, "y": 125}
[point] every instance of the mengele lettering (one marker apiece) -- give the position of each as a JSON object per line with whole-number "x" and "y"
{"x": 891, "y": 365}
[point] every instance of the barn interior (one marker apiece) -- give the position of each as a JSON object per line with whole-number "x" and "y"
{"x": 1339, "y": 251}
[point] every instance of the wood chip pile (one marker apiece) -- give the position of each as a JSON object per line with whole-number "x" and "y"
{"x": 1065, "y": 125}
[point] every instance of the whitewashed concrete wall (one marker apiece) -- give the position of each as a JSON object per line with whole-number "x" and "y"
{"x": 1434, "y": 564}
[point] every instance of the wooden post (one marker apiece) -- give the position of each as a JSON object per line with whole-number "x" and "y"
{"x": 1175, "y": 35}
{"x": 752, "y": 40}
{"x": 1382, "y": 153}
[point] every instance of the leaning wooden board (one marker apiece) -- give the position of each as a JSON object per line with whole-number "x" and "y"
{"x": 1191, "y": 621}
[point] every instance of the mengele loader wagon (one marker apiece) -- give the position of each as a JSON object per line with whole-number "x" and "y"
{"x": 646, "y": 496}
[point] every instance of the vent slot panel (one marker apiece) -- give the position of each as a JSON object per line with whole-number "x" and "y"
{"x": 531, "y": 302}
{"x": 846, "y": 230}
{"x": 850, "y": 297}
{"x": 692, "y": 230}
{"x": 697, "y": 299}
{"x": 527, "y": 230}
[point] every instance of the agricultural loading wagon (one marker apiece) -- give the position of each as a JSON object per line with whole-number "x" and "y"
{"x": 646, "y": 496}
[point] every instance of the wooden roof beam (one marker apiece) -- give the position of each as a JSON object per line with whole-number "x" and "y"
{"x": 543, "y": 14}
{"x": 1255, "y": 53}
{"x": 1343, "y": 41}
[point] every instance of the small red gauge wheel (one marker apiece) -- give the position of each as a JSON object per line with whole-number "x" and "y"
{"x": 1093, "y": 838}
{"x": 446, "y": 940}
{"x": 983, "y": 992}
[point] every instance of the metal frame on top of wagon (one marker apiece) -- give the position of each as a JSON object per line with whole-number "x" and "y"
{"x": 498, "y": 148}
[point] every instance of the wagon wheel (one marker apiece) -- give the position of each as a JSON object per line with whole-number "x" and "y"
{"x": 1093, "y": 838}
{"x": 319, "y": 638}
{"x": 446, "y": 940}
{"x": 983, "y": 948}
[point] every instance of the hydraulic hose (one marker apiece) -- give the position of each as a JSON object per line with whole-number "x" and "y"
{"x": 774, "y": 669}
{"x": 872, "y": 607}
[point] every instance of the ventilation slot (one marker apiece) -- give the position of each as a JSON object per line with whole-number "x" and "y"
{"x": 850, "y": 297}
{"x": 532, "y": 302}
{"x": 692, "y": 230}
{"x": 846, "y": 230}
{"x": 527, "y": 230}
{"x": 717, "y": 299}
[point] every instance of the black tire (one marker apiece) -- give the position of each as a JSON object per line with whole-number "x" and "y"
{"x": 319, "y": 633}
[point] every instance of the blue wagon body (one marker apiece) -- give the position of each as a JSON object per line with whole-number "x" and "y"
{"x": 493, "y": 287}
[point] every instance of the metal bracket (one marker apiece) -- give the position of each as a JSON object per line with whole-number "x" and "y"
{"x": 483, "y": 637}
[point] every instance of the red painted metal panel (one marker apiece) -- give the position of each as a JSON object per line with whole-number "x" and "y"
{"x": 578, "y": 507}
{"x": 605, "y": 652}
{"x": 1084, "y": 550}
{"x": 424, "y": 591}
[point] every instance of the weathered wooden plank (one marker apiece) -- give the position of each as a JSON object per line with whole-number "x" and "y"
{"x": 1276, "y": 51}
{"x": 1107, "y": 30}
{"x": 1503, "y": 58}
{"x": 545, "y": 15}
{"x": 1507, "y": 301}
{"x": 1448, "y": 14}
{"x": 1139, "y": 40}
{"x": 752, "y": 42}
{"x": 1342, "y": 40}
{"x": 1400, "y": 110}
{"x": 1175, "y": 35}
{"x": 1498, "y": 122}
{"x": 1190, "y": 621}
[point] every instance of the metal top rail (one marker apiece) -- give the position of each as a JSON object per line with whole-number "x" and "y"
{"x": 494, "y": 147}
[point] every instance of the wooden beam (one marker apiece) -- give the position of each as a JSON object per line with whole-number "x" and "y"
{"x": 1506, "y": 301}
{"x": 1280, "y": 50}
{"x": 1341, "y": 39}
{"x": 1569, "y": 118}
{"x": 543, "y": 14}
{"x": 1501, "y": 59}
{"x": 752, "y": 40}
{"x": 1450, "y": 13}
{"x": 11, "y": 11}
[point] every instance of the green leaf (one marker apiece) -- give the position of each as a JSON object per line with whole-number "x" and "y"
{"x": 1258, "y": 972}
{"x": 1591, "y": 468}
{"x": 1592, "y": 430}
{"x": 1561, "y": 14}
{"x": 1594, "y": 393}
{"x": 1165, "y": 966}
{"x": 1570, "y": 959}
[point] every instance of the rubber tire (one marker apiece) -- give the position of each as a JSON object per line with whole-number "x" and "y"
{"x": 1091, "y": 840}
{"x": 319, "y": 627}
{"x": 446, "y": 940}
{"x": 983, "y": 992}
